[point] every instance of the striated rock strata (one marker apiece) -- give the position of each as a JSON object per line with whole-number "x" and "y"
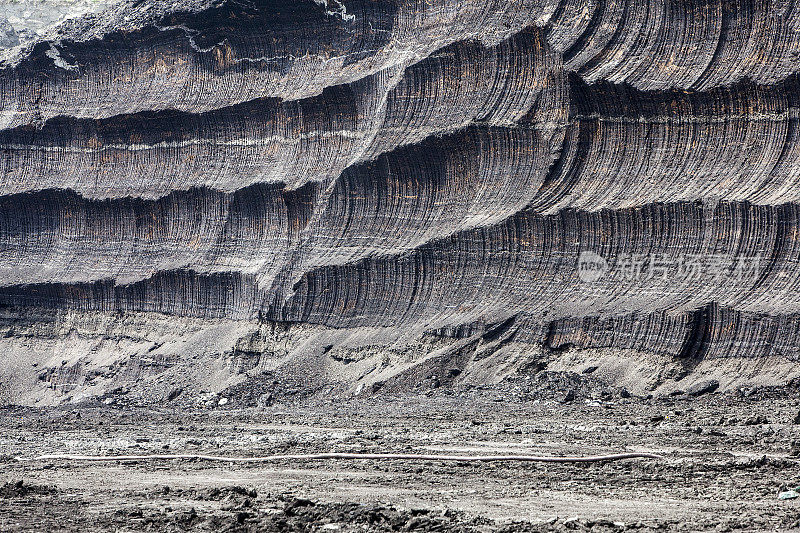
{"x": 370, "y": 195}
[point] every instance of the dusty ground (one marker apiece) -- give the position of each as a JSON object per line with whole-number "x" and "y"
{"x": 727, "y": 457}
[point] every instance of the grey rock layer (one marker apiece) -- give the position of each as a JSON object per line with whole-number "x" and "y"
{"x": 471, "y": 183}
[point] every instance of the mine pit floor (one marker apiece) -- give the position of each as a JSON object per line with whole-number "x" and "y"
{"x": 726, "y": 460}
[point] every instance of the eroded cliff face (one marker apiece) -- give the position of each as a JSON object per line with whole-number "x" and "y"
{"x": 362, "y": 195}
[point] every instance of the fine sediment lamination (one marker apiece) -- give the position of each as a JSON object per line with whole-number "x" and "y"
{"x": 465, "y": 179}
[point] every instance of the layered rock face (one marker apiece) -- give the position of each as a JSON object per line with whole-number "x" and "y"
{"x": 376, "y": 191}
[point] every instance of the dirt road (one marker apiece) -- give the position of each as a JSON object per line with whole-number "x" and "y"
{"x": 726, "y": 459}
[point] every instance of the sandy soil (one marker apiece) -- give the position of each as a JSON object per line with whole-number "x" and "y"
{"x": 726, "y": 459}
